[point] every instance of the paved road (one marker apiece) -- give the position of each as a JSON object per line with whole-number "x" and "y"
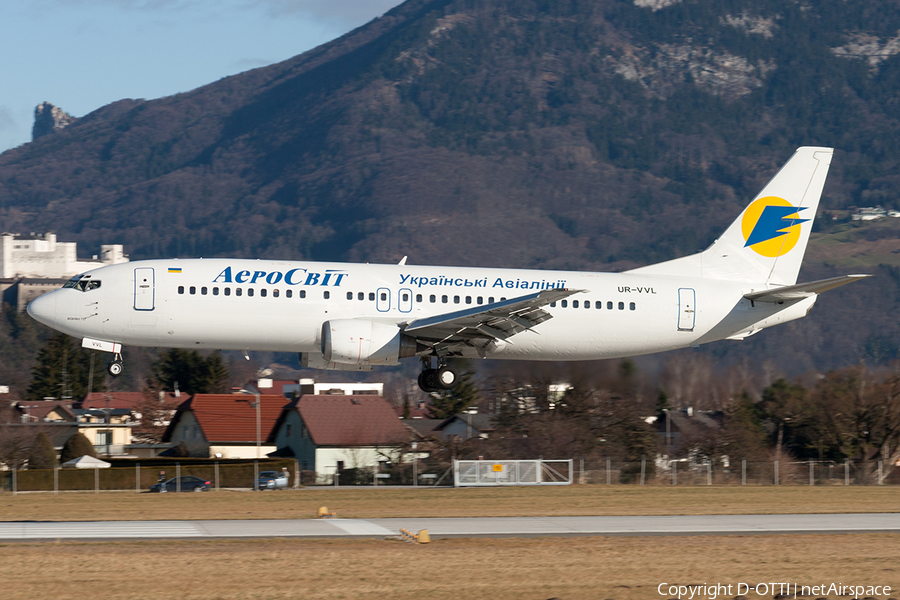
{"x": 465, "y": 527}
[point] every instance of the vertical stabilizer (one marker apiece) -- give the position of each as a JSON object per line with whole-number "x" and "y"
{"x": 766, "y": 243}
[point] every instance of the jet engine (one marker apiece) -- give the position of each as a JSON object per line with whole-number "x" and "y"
{"x": 357, "y": 341}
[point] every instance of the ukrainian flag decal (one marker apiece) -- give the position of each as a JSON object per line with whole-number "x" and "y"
{"x": 174, "y": 269}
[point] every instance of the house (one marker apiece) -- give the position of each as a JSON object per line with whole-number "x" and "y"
{"x": 108, "y": 429}
{"x": 330, "y": 433}
{"x": 677, "y": 427}
{"x": 225, "y": 425}
{"x": 150, "y": 416}
{"x": 466, "y": 426}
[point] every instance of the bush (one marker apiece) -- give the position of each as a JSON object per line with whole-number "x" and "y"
{"x": 42, "y": 454}
{"x": 75, "y": 447}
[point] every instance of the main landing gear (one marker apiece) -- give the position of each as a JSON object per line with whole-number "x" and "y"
{"x": 437, "y": 380}
{"x": 116, "y": 367}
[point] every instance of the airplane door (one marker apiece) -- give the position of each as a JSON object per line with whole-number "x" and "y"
{"x": 686, "y": 309}
{"x": 144, "y": 288}
{"x": 404, "y": 302}
{"x": 383, "y": 299}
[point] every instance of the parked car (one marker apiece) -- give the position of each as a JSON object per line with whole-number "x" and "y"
{"x": 188, "y": 483}
{"x": 272, "y": 480}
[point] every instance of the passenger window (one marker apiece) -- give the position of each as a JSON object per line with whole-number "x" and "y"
{"x": 274, "y": 293}
{"x": 432, "y": 298}
{"x": 587, "y": 303}
{"x": 383, "y": 296}
{"x": 238, "y": 291}
{"x": 631, "y": 306}
{"x": 180, "y": 289}
{"x": 490, "y": 299}
{"x": 250, "y": 291}
{"x": 621, "y": 306}
{"x": 215, "y": 291}
{"x": 193, "y": 290}
{"x": 564, "y": 303}
{"x": 455, "y": 299}
{"x": 203, "y": 291}
{"x": 372, "y": 296}
{"x": 479, "y": 300}
{"x": 574, "y": 303}
{"x": 326, "y": 295}
{"x": 288, "y": 293}
{"x": 303, "y": 293}
{"x": 349, "y": 295}
{"x": 406, "y": 297}
{"x": 609, "y": 306}
{"x": 361, "y": 296}
{"x": 502, "y": 299}
{"x": 598, "y": 305}
{"x": 227, "y": 291}
{"x": 444, "y": 299}
{"x": 468, "y": 299}
{"x": 553, "y": 305}
{"x": 418, "y": 297}
{"x": 263, "y": 292}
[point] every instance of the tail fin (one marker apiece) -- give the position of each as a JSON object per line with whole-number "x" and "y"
{"x": 766, "y": 243}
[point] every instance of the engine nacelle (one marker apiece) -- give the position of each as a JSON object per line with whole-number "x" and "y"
{"x": 357, "y": 342}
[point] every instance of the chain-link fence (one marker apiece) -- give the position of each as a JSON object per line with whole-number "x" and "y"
{"x": 140, "y": 478}
{"x": 663, "y": 471}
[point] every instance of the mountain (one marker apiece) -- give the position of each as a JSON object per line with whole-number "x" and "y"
{"x": 588, "y": 134}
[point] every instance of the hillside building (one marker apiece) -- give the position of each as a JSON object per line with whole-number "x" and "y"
{"x": 32, "y": 266}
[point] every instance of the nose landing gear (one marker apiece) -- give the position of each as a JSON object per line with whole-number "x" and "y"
{"x": 116, "y": 367}
{"x": 437, "y": 380}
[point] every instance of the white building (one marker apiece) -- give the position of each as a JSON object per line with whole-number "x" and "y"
{"x": 46, "y": 258}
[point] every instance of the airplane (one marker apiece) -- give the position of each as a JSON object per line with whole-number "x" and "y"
{"x": 342, "y": 316}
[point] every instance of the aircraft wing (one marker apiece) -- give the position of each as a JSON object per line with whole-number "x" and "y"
{"x": 479, "y": 326}
{"x": 802, "y": 290}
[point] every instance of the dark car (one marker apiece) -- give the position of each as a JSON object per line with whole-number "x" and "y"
{"x": 272, "y": 480}
{"x": 188, "y": 483}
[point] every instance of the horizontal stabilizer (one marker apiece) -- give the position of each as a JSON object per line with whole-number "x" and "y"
{"x": 802, "y": 290}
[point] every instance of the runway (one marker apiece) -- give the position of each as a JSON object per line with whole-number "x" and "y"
{"x": 455, "y": 527}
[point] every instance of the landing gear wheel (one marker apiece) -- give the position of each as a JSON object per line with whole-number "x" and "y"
{"x": 115, "y": 368}
{"x": 428, "y": 381}
{"x": 446, "y": 377}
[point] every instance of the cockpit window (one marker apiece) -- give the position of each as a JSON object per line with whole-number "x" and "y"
{"x": 82, "y": 283}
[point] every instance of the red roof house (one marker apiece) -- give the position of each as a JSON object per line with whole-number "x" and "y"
{"x": 328, "y": 434}
{"x": 225, "y": 425}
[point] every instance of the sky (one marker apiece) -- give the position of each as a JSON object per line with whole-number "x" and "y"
{"x": 81, "y": 55}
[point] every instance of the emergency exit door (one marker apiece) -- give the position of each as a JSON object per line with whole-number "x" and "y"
{"x": 686, "y": 309}
{"x": 144, "y": 288}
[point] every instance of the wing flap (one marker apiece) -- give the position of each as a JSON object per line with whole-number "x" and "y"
{"x": 497, "y": 321}
{"x": 802, "y": 290}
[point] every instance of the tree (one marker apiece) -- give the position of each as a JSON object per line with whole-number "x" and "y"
{"x": 75, "y": 447}
{"x": 190, "y": 372}
{"x": 65, "y": 371}
{"x": 42, "y": 455}
{"x": 446, "y": 403}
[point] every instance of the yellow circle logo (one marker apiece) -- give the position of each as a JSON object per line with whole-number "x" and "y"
{"x": 771, "y": 226}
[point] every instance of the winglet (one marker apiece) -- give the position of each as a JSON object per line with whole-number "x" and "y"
{"x": 402, "y": 261}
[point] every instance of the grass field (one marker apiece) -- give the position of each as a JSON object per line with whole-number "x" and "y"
{"x": 465, "y": 502}
{"x": 595, "y": 568}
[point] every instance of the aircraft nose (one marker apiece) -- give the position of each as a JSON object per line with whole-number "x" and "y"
{"x": 43, "y": 309}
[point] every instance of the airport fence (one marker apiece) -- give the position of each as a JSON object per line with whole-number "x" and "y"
{"x": 139, "y": 477}
{"x": 689, "y": 472}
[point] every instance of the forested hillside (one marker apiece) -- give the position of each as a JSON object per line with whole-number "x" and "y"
{"x": 584, "y": 134}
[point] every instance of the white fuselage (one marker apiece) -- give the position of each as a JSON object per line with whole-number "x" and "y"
{"x": 281, "y": 306}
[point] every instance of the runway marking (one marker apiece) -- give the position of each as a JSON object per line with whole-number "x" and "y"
{"x": 99, "y": 529}
{"x": 361, "y": 527}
